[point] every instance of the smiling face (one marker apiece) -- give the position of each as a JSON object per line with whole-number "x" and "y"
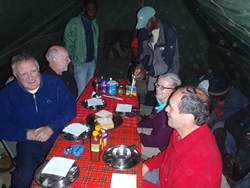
{"x": 28, "y": 75}
{"x": 163, "y": 94}
{"x": 90, "y": 11}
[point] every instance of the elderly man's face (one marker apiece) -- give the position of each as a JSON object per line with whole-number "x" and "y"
{"x": 27, "y": 73}
{"x": 63, "y": 60}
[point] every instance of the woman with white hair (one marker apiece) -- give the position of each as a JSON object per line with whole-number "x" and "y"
{"x": 154, "y": 131}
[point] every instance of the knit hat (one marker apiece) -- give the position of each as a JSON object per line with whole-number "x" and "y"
{"x": 217, "y": 87}
{"x": 143, "y": 16}
{"x": 204, "y": 85}
{"x": 134, "y": 43}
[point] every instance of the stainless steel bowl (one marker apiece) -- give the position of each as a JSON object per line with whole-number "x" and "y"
{"x": 121, "y": 157}
{"x": 121, "y": 153}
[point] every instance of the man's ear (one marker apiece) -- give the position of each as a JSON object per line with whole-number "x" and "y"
{"x": 15, "y": 75}
{"x": 189, "y": 118}
{"x": 54, "y": 59}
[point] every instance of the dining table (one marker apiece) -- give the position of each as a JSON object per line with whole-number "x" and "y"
{"x": 99, "y": 174}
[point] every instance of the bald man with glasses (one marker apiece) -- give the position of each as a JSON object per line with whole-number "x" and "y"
{"x": 154, "y": 131}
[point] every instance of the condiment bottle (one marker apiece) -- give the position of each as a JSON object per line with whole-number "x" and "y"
{"x": 98, "y": 129}
{"x": 104, "y": 136}
{"x": 95, "y": 147}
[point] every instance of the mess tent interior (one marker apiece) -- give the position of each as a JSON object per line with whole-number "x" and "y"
{"x": 215, "y": 32}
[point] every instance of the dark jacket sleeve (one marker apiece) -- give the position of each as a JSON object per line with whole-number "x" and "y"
{"x": 160, "y": 134}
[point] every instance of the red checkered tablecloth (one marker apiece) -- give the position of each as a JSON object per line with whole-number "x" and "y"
{"x": 99, "y": 174}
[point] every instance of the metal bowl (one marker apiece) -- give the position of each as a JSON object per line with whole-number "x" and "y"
{"x": 121, "y": 157}
{"x": 121, "y": 153}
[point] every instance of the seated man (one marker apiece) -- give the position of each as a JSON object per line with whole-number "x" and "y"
{"x": 192, "y": 158}
{"x": 238, "y": 125}
{"x": 34, "y": 108}
{"x": 226, "y": 102}
{"x": 58, "y": 58}
{"x": 154, "y": 131}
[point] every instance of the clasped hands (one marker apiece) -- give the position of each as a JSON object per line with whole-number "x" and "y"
{"x": 41, "y": 134}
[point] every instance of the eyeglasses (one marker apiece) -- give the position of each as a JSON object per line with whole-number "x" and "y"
{"x": 162, "y": 87}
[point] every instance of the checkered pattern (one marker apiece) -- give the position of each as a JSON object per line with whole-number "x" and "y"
{"x": 99, "y": 174}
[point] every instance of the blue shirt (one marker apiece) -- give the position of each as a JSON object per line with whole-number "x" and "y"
{"x": 89, "y": 39}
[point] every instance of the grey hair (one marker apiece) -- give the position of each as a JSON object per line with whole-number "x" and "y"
{"x": 22, "y": 57}
{"x": 195, "y": 101}
{"x": 175, "y": 79}
{"x": 51, "y": 53}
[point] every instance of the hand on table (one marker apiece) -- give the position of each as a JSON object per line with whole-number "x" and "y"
{"x": 144, "y": 169}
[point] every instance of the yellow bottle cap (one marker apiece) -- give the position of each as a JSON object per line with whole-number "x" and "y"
{"x": 98, "y": 127}
{"x": 95, "y": 133}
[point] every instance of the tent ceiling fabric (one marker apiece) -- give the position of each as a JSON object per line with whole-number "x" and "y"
{"x": 215, "y": 32}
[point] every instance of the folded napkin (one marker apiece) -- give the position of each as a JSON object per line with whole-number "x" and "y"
{"x": 123, "y": 108}
{"x": 58, "y": 166}
{"x": 123, "y": 180}
{"x": 94, "y": 102}
{"x": 75, "y": 129}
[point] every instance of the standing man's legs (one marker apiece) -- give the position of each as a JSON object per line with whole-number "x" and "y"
{"x": 29, "y": 157}
{"x": 83, "y": 74}
{"x": 91, "y": 70}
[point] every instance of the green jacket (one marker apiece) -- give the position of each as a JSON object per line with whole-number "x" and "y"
{"x": 75, "y": 41}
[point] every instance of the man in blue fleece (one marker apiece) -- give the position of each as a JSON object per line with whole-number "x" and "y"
{"x": 34, "y": 108}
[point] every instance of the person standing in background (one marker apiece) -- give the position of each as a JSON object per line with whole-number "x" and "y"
{"x": 158, "y": 49}
{"x": 81, "y": 40}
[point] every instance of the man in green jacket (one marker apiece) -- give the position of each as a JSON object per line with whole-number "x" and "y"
{"x": 81, "y": 40}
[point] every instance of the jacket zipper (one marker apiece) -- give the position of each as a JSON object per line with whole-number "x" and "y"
{"x": 34, "y": 97}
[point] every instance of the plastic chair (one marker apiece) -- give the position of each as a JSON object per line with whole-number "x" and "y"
{"x": 10, "y": 147}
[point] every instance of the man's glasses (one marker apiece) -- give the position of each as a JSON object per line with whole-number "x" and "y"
{"x": 162, "y": 87}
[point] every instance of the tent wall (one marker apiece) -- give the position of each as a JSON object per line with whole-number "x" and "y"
{"x": 32, "y": 26}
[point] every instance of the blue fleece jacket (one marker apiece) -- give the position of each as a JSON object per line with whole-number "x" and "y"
{"x": 52, "y": 105}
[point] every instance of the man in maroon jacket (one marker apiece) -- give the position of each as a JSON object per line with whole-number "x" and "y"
{"x": 192, "y": 158}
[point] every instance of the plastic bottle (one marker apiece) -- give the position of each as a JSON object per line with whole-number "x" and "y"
{"x": 98, "y": 129}
{"x": 95, "y": 147}
{"x": 104, "y": 136}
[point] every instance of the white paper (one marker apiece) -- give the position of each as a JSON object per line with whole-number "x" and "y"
{"x": 123, "y": 181}
{"x": 75, "y": 129}
{"x": 123, "y": 108}
{"x": 58, "y": 166}
{"x": 94, "y": 102}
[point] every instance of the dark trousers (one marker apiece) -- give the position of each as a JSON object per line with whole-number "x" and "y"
{"x": 29, "y": 157}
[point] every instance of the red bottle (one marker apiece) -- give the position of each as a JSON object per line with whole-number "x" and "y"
{"x": 95, "y": 147}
